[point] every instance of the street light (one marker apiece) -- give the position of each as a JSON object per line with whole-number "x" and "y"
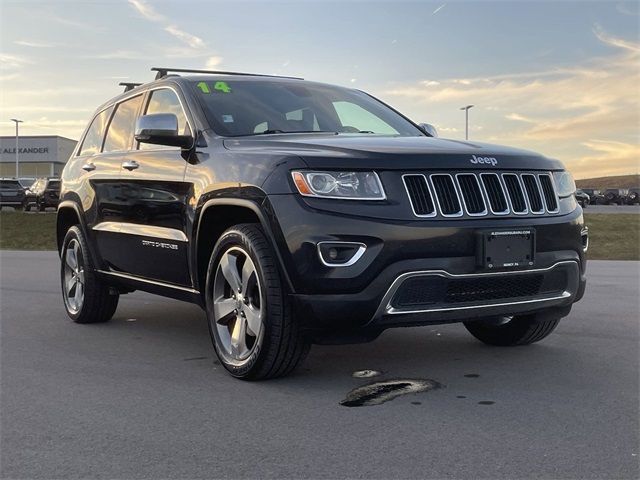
{"x": 17, "y": 137}
{"x": 466, "y": 120}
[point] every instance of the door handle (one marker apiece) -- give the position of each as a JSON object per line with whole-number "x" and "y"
{"x": 130, "y": 165}
{"x": 88, "y": 167}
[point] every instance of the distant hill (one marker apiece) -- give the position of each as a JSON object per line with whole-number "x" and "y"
{"x": 621, "y": 181}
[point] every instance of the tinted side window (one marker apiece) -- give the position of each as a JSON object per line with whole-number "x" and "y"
{"x": 93, "y": 140}
{"x": 166, "y": 101}
{"x": 120, "y": 132}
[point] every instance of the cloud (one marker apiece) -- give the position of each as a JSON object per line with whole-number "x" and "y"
{"x": 191, "y": 40}
{"x": 519, "y": 118}
{"x": 612, "y": 158}
{"x": 613, "y": 41}
{"x": 213, "y": 62}
{"x": 439, "y": 8}
{"x": 71, "y": 23}
{"x": 630, "y": 9}
{"x": 116, "y": 55}
{"x": 27, "y": 43}
{"x": 571, "y": 113}
{"x": 147, "y": 11}
{"x": 12, "y": 62}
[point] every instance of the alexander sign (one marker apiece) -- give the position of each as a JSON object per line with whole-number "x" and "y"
{"x": 36, "y": 149}
{"x": 8, "y": 151}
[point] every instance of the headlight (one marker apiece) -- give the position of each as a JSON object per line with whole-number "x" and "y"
{"x": 565, "y": 186}
{"x": 345, "y": 185}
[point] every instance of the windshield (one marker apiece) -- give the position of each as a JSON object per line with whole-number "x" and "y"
{"x": 257, "y": 107}
{"x": 10, "y": 185}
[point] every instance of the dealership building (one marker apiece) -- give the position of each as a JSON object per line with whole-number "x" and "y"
{"x": 38, "y": 156}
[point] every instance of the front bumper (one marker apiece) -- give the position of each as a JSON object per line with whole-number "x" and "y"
{"x": 358, "y": 296}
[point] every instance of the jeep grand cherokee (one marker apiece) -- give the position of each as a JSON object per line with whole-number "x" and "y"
{"x": 296, "y": 212}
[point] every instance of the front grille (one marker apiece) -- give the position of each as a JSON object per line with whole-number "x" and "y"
{"x": 516, "y": 194}
{"x": 471, "y": 194}
{"x": 420, "y": 195}
{"x": 446, "y": 195}
{"x": 549, "y": 193}
{"x": 495, "y": 193}
{"x": 533, "y": 193}
{"x": 430, "y": 291}
{"x": 474, "y": 195}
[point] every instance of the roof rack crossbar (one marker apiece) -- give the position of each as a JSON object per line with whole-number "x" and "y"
{"x": 163, "y": 72}
{"x": 128, "y": 86}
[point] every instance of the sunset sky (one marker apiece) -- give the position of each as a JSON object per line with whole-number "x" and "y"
{"x": 561, "y": 78}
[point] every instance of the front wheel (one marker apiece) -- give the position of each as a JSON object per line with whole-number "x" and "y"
{"x": 510, "y": 331}
{"x": 249, "y": 313}
{"x": 87, "y": 299}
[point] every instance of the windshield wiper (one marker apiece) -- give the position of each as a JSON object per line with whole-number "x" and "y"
{"x": 275, "y": 132}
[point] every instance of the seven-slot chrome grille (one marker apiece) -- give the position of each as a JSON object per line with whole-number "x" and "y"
{"x": 481, "y": 194}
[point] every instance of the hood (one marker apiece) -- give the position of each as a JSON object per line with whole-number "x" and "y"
{"x": 392, "y": 153}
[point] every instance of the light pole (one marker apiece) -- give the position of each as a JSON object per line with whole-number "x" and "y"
{"x": 17, "y": 156}
{"x": 466, "y": 121}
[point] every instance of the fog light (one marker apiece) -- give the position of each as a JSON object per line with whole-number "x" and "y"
{"x": 340, "y": 254}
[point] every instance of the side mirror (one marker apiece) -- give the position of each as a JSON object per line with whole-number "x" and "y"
{"x": 161, "y": 129}
{"x": 429, "y": 129}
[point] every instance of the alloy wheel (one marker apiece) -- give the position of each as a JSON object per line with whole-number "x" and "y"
{"x": 238, "y": 306}
{"x": 74, "y": 282}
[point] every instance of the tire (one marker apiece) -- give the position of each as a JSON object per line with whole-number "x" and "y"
{"x": 520, "y": 330}
{"x": 27, "y": 207}
{"x": 95, "y": 302}
{"x": 249, "y": 313}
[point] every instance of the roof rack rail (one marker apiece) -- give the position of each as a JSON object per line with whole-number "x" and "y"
{"x": 128, "y": 86}
{"x": 163, "y": 72}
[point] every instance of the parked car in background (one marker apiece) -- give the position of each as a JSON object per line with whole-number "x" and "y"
{"x": 595, "y": 196}
{"x": 613, "y": 196}
{"x": 633, "y": 197}
{"x": 583, "y": 198}
{"x": 11, "y": 193}
{"x": 44, "y": 193}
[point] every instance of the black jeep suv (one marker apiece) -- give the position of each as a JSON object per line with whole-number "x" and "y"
{"x": 296, "y": 212}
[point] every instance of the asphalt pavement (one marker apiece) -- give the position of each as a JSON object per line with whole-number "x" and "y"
{"x": 613, "y": 209}
{"x": 143, "y": 396}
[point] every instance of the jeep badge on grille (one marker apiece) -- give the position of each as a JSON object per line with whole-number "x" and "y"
{"x": 486, "y": 160}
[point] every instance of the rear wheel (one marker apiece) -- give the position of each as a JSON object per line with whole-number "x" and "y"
{"x": 250, "y": 321}
{"x": 87, "y": 299}
{"x": 510, "y": 331}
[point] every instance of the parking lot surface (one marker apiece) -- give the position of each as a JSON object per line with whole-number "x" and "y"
{"x": 143, "y": 397}
{"x": 612, "y": 209}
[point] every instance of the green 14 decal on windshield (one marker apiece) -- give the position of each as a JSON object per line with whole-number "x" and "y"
{"x": 218, "y": 86}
